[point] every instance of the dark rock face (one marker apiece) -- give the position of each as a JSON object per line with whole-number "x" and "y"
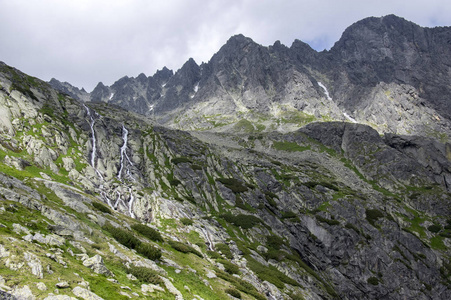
{"x": 357, "y": 215}
{"x": 391, "y": 49}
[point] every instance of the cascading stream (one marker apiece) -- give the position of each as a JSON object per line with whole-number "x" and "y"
{"x": 125, "y": 163}
{"x": 94, "y": 141}
{"x": 124, "y": 157}
{"x": 325, "y": 90}
{"x": 130, "y": 203}
{"x": 210, "y": 244}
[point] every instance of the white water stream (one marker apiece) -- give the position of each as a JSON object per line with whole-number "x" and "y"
{"x": 94, "y": 141}
{"x": 210, "y": 244}
{"x": 325, "y": 90}
{"x": 125, "y": 163}
{"x": 124, "y": 157}
{"x": 130, "y": 203}
{"x": 349, "y": 118}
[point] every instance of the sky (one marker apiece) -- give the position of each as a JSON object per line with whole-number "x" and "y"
{"x": 84, "y": 42}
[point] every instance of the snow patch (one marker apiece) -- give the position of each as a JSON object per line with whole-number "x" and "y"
{"x": 196, "y": 88}
{"x": 111, "y": 96}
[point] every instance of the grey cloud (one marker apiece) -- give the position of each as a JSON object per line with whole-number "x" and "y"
{"x": 85, "y": 42}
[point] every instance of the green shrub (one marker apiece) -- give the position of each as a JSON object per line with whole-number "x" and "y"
{"x": 224, "y": 250}
{"x": 124, "y": 237}
{"x": 313, "y": 184}
{"x": 289, "y": 215}
{"x": 145, "y": 274}
{"x": 184, "y": 248}
{"x": 174, "y": 182}
{"x": 435, "y": 228}
{"x": 241, "y": 220}
{"x": 274, "y": 254}
{"x": 353, "y": 227}
{"x": 274, "y": 242}
{"x": 179, "y": 160}
{"x": 372, "y": 215}
{"x": 233, "y": 293}
{"x": 148, "y": 232}
{"x": 233, "y": 184}
{"x": 196, "y": 167}
{"x": 229, "y": 267}
{"x": 213, "y": 254}
{"x": 328, "y": 221}
{"x": 373, "y": 280}
{"x": 270, "y": 198}
{"x": 96, "y": 246}
{"x": 101, "y": 207}
{"x": 186, "y": 221}
{"x": 149, "y": 251}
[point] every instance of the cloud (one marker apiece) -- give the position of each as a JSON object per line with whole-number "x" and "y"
{"x": 84, "y": 42}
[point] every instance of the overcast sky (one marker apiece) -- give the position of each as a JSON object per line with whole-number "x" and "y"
{"x": 87, "y": 41}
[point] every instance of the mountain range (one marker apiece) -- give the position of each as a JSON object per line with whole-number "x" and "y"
{"x": 267, "y": 173}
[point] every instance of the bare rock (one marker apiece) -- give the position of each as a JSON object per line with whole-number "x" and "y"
{"x": 35, "y": 264}
{"x": 23, "y": 293}
{"x": 85, "y": 294}
{"x": 96, "y": 264}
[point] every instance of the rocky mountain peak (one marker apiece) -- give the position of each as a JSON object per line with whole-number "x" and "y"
{"x": 163, "y": 75}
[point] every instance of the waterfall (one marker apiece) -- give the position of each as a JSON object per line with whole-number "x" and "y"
{"x": 108, "y": 201}
{"x": 325, "y": 90}
{"x": 117, "y": 199}
{"x": 210, "y": 244}
{"x": 124, "y": 157}
{"x": 130, "y": 203}
{"x": 349, "y": 118}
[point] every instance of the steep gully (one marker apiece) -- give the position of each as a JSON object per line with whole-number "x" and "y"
{"x": 125, "y": 164}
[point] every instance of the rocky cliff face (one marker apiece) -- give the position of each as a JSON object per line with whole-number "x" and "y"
{"x": 332, "y": 210}
{"x": 388, "y": 73}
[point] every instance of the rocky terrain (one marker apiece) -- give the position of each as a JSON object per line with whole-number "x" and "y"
{"x": 387, "y": 72}
{"x": 102, "y": 202}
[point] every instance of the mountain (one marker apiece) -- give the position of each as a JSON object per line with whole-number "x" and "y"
{"x": 102, "y": 202}
{"x": 387, "y": 72}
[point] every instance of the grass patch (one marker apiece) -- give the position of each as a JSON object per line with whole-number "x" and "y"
{"x": 289, "y": 147}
